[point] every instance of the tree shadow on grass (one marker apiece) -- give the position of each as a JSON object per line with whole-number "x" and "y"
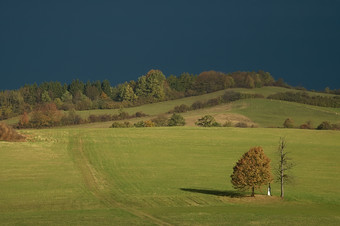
{"x": 231, "y": 194}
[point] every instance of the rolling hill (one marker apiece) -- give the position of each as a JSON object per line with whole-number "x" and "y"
{"x": 91, "y": 174}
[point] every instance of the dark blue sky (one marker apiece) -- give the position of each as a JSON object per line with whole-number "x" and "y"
{"x": 121, "y": 40}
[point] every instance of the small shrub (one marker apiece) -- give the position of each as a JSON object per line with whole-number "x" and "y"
{"x": 71, "y": 118}
{"x": 149, "y": 123}
{"x": 120, "y": 125}
{"x": 307, "y": 125}
{"x": 197, "y": 105}
{"x": 160, "y": 120}
{"x": 336, "y": 126}
{"x": 228, "y": 124}
{"x": 230, "y": 96}
{"x": 176, "y": 120}
{"x": 214, "y": 101}
{"x": 9, "y": 134}
{"x": 288, "y": 123}
{"x": 139, "y": 124}
{"x": 140, "y": 114}
{"x": 181, "y": 108}
{"x": 146, "y": 123}
{"x": 324, "y": 126}
{"x": 123, "y": 115}
{"x": 105, "y": 118}
{"x": 207, "y": 121}
{"x": 92, "y": 118}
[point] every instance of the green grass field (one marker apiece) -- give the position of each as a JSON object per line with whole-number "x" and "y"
{"x": 163, "y": 176}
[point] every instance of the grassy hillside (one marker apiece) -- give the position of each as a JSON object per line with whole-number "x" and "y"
{"x": 162, "y": 107}
{"x": 260, "y": 112}
{"x": 162, "y": 176}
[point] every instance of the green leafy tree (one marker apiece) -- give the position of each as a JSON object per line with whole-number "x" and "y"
{"x": 155, "y": 82}
{"x": 288, "y": 123}
{"x": 176, "y": 120}
{"x": 141, "y": 87}
{"x": 106, "y": 87}
{"x": 76, "y": 86}
{"x": 266, "y": 78}
{"x": 249, "y": 82}
{"x": 207, "y": 121}
{"x": 67, "y": 97}
{"x": 126, "y": 93}
{"x": 325, "y": 125}
{"x": 251, "y": 171}
{"x": 45, "y": 97}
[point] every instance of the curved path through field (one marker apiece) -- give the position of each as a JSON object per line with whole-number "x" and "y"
{"x": 96, "y": 183}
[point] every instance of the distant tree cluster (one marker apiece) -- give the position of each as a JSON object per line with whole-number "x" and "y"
{"x": 159, "y": 121}
{"x": 47, "y": 115}
{"x": 149, "y": 88}
{"x": 304, "y": 98}
{"x": 325, "y": 125}
{"x": 330, "y": 91}
{"x": 227, "y": 97}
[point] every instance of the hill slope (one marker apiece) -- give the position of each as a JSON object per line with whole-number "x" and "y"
{"x": 163, "y": 176}
{"x": 258, "y": 112}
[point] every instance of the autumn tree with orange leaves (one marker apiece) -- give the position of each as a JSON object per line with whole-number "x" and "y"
{"x": 252, "y": 171}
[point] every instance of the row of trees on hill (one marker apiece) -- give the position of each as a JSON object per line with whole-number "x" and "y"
{"x": 149, "y": 88}
{"x": 305, "y": 98}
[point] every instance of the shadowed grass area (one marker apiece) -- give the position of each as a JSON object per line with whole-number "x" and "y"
{"x": 231, "y": 194}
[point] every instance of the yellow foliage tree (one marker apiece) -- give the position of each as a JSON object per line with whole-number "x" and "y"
{"x": 252, "y": 171}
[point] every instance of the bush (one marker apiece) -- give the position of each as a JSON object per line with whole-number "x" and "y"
{"x": 230, "y": 96}
{"x": 45, "y": 115}
{"x": 71, "y": 118}
{"x": 307, "y": 125}
{"x": 214, "y": 101}
{"x": 146, "y": 123}
{"x": 140, "y": 114}
{"x": 160, "y": 120}
{"x": 181, "y": 108}
{"x": 207, "y": 121}
{"x": 227, "y": 124}
{"x": 123, "y": 115}
{"x": 288, "y": 123}
{"x": 197, "y": 105}
{"x": 176, "y": 120}
{"x": 336, "y": 126}
{"x": 9, "y": 134}
{"x": 324, "y": 126}
{"x": 149, "y": 123}
{"x": 120, "y": 125}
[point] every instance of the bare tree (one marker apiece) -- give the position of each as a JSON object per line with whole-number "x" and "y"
{"x": 284, "y": 165}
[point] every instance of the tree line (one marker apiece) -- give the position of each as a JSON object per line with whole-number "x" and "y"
{"x": 304, "y": 98}
{"x": 149, "y": 88}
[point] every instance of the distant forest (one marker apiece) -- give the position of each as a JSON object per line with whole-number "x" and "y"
{"x": 149, "y": 88}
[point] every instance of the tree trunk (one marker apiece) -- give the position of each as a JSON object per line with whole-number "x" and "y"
{"x": 282, "y": 191}
{"x": 253, "y": 191}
